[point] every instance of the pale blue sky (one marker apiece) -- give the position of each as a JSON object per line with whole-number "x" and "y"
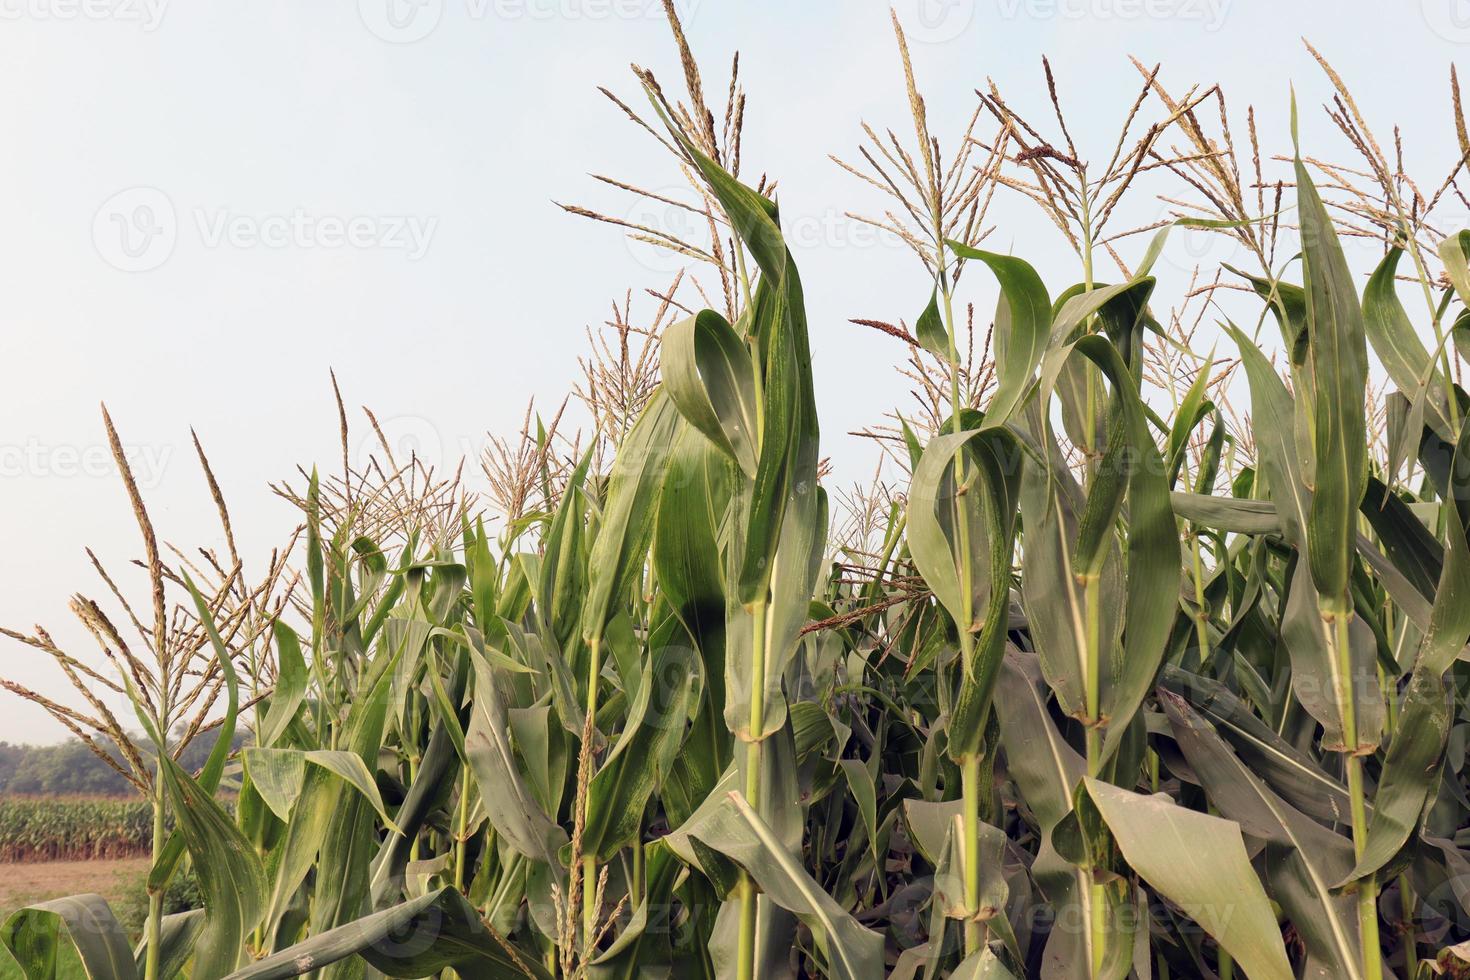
{"x": 346, "y": 196}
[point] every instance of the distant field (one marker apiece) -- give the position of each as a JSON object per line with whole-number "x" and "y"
{"x": 73, "y": 829}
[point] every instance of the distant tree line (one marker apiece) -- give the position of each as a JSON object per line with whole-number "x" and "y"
{"x": 70, "y": 769}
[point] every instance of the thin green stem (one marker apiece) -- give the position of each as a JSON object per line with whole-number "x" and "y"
{"x": 635, "y": 885}
{"x": 1092, "y": 611}
{"x": 1201, "y": 616}
{"x": 1368, "y": 887}
{"x": 1340, "y": 615}
{"x": 749, "y": 909}
{"x": 589, "y": 861}
{"x": 155, "y": 896}
{"x": 461, "y": 829}
{"x": 413, "y": 772}
{"x": 974, "y": 931}
{"x": 589, "y": 901}
{"x": 1410, "y": 940}
{"x": 745, "y": 961}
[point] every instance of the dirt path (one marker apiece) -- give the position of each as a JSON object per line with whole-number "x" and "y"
{"x": 23, "y": 884}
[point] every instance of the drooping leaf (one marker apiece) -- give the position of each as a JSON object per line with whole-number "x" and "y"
{"x": 710, "y": 379}
{"x": 417, "y": 938}
{"x": 851, "y": 951}
{"x": 39, "y": 937}
{"x": 1304, "y": 858}
{"x": 509, "y": 803}
{"x": 1023, "y": 325}
{"x": 1194, "y": 859}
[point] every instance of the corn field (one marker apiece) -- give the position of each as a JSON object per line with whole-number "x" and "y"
{"x": 72, "y": 830}
{"x": 1151, "y": 664}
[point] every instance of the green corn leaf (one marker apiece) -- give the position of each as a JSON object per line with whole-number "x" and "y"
{"x": 418, "y": 938}
{"x": 1047, "y": 771}
{"x": 934, "y": 501}
{"x": 929, "y": 329}
{"x": 1193, "y": 860}
{"x": 1273, "y": 421}
{"x": 1227, "y": 513}
{"x": 865, "y": 795}
{"x": 989, "y": 506}
{"x": 1191, "y": 411}
{"x": 44, "y": 937}
{"x": 1454, "y": 252}
{"x": 1414, "y": 551}
{"x": 1304, "y": 859}
{"x": 618, "y": 556}
{"x": 1023, "y": 325}
{"x": 732, "y": 828}
{"x": 786, "y": 468}
{"x": 1290, "y": 772}
{"x": 562, "y": 579}
{"x": 436, "y": 769}
{"x": 1403, "y": 355}
{"x": 642, "y": 948}
{"x": 797, "y": 558}
{"x": 509, "y": 803}
{"x": 1288, "y": 304}
{"x": 351, "y": 769}
{"x": 1339, "y": 369}
{"x": 686, "y": 544}
{"x": 290, "y": 689}
{"x": 1050, "y": 502}
{"x": 278, "y": 775}
{"x": 936, "y": 828}
{"x": 708, "y": 374}
{"x": 1152, "y": 545}
{"x": 231, "y": 877}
